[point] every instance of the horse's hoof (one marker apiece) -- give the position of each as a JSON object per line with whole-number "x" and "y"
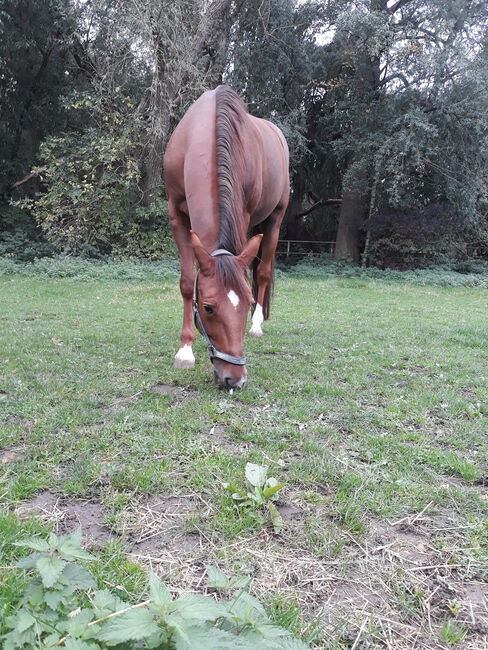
{"x": 183, "y": 364}
{"x": 255, "y": 333}
{"x": 184, "y": 358}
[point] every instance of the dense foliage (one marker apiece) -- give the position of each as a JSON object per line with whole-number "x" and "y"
{"x": 62, "y": 608}
{"x": 384, "y": 106}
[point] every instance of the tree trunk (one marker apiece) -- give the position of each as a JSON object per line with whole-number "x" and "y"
{"x": 296, "y": 203}
{"x": 160, "y": 115}
{"x": 356, "y": 189}
{"x": 351, "y": 219}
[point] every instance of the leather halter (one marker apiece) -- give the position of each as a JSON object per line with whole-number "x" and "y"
{"x": 213, "y": 353}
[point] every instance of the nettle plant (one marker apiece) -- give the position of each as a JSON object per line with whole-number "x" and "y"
{"x": 258, "y": 495}
{"x": 61, "y": 608}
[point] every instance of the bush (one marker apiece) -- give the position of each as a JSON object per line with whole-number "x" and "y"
{"x": 92, "y": 185}
{"x": 62, "y": 607}
{"x": 440, "y": 275}
{"x": 90, "y": 269}
{"x": 19, "y": 247}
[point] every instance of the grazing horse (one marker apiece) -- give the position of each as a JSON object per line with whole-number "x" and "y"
{"x": 226, "y": 175}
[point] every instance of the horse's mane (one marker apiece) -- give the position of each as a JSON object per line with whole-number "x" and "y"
{"x": 231, "y": 115}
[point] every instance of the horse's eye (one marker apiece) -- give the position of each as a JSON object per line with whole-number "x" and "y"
{"x": 208, "y": 309}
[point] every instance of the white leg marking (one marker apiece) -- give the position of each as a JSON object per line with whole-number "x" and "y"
{"x": 184, "y": 358}
{"x": 234, "y": 298}
{"x": 257, "y": 320}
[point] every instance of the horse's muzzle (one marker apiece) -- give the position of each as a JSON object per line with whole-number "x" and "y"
{"x": 229, "y": 378}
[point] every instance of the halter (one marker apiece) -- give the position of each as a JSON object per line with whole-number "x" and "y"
{"x": 213, "y": 353}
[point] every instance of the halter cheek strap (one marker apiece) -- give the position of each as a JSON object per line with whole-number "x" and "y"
{"x": 213, "y": 353}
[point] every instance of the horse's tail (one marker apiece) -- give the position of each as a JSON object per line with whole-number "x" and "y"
{"x": 269, "y": 289}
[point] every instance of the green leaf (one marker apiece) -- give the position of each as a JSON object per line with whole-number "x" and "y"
{"x": 271, "y": 631}
{"x": 160, "y": 594}
{"x": 71, "y": 551}
{"x": 75, "y": 537}
{"x": 105, "y": 602}
{"x": 35, "y": 543}
{"x": 201, "y": 638}
{"x": 35, "y": 594}
{"x": 53, "y": 598}
{"x": 276, "y": 518}
{"x": 216, "y": 578}
{"x": 23, "y": 621}
{"x": 291, "y": 643}
{"x": 269, "y": 491}
{"x": 256, "y": 474}
{"x": 244, "y": 608}
{"x": 133, "y": 625}
{"x": 77, "y": 644}
{"x": 77, "y": 577}
{"x": 199, "y": 608}
{"x": 77, "y": 624}
{"x": 239, "y": 582}
{"x": 30, "y": 561}
{"x": 50, "y": 569}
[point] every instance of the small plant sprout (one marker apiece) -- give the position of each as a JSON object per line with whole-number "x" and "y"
{"x": 259, "y": 493}
{"x": 451, "y": 633}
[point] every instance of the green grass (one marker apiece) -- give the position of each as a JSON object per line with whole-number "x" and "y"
{"x": 367, "y": 398}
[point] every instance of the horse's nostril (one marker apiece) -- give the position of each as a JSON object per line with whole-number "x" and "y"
{"x": 228, "y": 382}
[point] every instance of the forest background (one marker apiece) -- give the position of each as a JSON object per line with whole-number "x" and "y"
{"x": 384, "y": 104}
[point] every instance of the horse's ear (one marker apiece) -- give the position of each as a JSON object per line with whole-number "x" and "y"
{"x": 205, "y": 261}
{"x": 250, "y": 251}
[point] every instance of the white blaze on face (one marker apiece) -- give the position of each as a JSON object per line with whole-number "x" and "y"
{"x": 234, "y": 298}
{"x": 257, "y": 320}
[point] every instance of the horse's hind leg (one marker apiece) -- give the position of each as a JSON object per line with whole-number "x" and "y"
{"x": 264, "y": 271}
{"x": 180, "y": 226}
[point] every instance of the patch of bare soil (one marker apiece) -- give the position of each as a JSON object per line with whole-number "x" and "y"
{"x": 68, "y": 515}
{"x": 19, "y": 419}
{"x": 11, "y": 455}
{"x": 288, "y": 511}
{"x": 391, "y": 589}
{"x": 155, "y": 526}
{"x": 166, "y": 389}
{"x": 218, "y": 439}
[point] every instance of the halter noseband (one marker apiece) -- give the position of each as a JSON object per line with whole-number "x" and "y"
{"x": 213, "y": 353}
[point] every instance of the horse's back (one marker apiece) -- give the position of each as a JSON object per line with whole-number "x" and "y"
{"x": 190, "y": 162}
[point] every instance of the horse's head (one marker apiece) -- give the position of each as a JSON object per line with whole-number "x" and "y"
{"x": 223, "y": 298}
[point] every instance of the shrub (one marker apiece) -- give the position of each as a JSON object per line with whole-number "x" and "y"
{"x": 19, "y": 247}
{"x": 91, "y": 181}
{"x": 61, "y": 607}
{"x": 81, "y": 269}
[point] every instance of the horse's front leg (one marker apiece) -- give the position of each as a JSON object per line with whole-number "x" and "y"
{"x": 264, "y": 271}
{"x": 184, "y": 357}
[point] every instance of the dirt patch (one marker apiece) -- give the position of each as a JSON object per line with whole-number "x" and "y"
{"x": 19, "y": 419}
{"x": 219, "y": 439}
{"x": 10, "y": 456}
{"x": 66, "y": 516}
{"x": 166, "y": 389}
{"x": 156, "y": 525}
{"x": 289, "y": 511}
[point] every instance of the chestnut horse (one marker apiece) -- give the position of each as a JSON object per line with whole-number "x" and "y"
{"x": 226, "y": 175}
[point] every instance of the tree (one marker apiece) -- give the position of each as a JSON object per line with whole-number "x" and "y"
{"x": 187, "y": 42}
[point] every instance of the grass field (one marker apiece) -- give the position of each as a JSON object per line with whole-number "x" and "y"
{"x": 368, "y": 399}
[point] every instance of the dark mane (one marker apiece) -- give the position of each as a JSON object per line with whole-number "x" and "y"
{"x": 230, "y": 121}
